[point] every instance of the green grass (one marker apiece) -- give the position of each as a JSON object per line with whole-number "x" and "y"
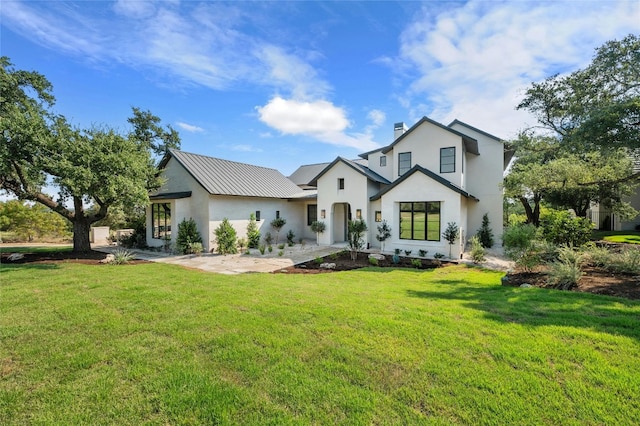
{"x": 629, "y": 237}
{"x": 7, "y": 248}
{"x": 159, "y": 344}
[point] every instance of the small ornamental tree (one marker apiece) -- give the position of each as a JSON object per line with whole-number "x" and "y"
{"x": 187, "y": 235}
{"x": 226, "y": 238}
{"x": 356, "y": 243}
{"x": 485, "y": 234}
{"x": 384, "y": 233}
{"x": 451, "y": 235}
{"x": 318, "y": 228}
{"x": 277, "y": 224}
{"x": 253, "y": 234}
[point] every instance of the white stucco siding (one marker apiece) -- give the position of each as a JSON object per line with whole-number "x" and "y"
{"x": 484, "y": 181}
{"x": 238, "y": 209}
{"x": 386, "y": 171}
{"x": 424, "y": 144}
{"x": 329, "y": 195}
{"x": 374, "y": 206}
{"x": 419, "y": 188}
{"x": 177, "y": 179}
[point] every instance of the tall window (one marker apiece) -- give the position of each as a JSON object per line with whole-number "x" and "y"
{"x": 404, "y": 163}
{"x": 161, "y": 217}
{"x": 378, "y": 216}
{"x": 312, "y": 213}
{"x": 340, "y": 183}
{"x": 448, "y": 160}
{"x": 383, "y": 161}
{"x": 257, "y": 215}
{"x": 420, "y": 221}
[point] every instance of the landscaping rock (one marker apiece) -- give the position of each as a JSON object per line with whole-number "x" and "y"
{"x": 15, "y": 257}
{"x": 109, "y": 259}
{"x": 327, "y": 265}
{"x": 525, "y": 285}
{"x": 376, "y": 256}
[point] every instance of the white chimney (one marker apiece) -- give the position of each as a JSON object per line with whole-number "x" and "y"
{"x": 399, "y": 129}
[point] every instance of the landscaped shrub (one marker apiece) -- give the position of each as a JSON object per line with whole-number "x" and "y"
{"x": 122, "y": 257}
{"x": 290, "y": 237}
{"x": 356, "y": 243}
{"x": 519, "y": 245}
{"x": 270, "y": 248}
{"x": 226, "y": 238}
{"x": 277, "y": 224}
{"x": 280, "y": 253}
{"x": 422, "y": 253}
{"x": 373, "y": 261}
{"x": 477, "y": 250}
{"x": 626, "y": 262}
{"x": 407, "y": 252}
{"x": 450, "y": 234}
{"x": 268, "y": 239}
{"x": 187, "y": 235}
{"x": 318, "y": 260}
{"x": 196, "y": 248}
{"x": 564, "y": 274}
{"x": 318, "y": 228}
{"x": 241, "y": 244}
{"x": 416, "y": 263}
{"x": 333, "y": 256}
{"x": 561, "y": 227}
{"x": 485, "y": 234}
{"x": 384, "y": 233}
{"x": 253, "y": 235}
{"x": 281, "y": 246}
{"x": 396, "y": 251}
{"x": 262, "y": 248}
{"x": 598, "y": 256}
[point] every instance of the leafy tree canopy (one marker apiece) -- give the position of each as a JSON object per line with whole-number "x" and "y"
{"x": 96, "y": 166}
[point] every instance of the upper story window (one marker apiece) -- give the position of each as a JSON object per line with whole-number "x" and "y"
{"x": 383, "y": 161}
{"x": 404, "y": 163}
{"x": 448, "y": 160}
{"x": 340, "y": 183}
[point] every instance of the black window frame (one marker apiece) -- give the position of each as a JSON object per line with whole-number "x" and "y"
{"x": 402, "y": 159}
{"x": 448, "y": 154}
{"x": 383, "y": 161}
{"x": 161, "y": 220}
{"x": 421, "y": 207}
{"x": 312, "y": 213}
{"x": 257, "y": 215}
{"x": 340, "y": 183}
{"x": 378, "y": 216}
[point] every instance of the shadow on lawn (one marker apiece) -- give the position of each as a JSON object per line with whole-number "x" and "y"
{"x": 543, "y": 307}
{"x": 7, "y": 267}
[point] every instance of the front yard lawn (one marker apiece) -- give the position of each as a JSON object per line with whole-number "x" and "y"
{"x": 159, "y": 344}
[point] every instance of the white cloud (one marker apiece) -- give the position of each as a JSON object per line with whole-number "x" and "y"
{"x": 245, "y": 148}
{"x": 377, "y": 117}
{"x": 319, "y": 119}
{"x": 134, "y": 8}
{"x": 189, "y": 127}
{"x": 475, "y": 62}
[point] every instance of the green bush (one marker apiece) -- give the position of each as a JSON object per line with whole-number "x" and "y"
{"x": 187, "y": 235}
{"x": 277, "y": 224}
{"x": 290, "y": 238}
{"x": 122, "y": 257}
{"x": 416, "y": 263}
{"x": 485, "y": 234}
{"x": 196, "y": 248}
{"x": 626, "y": 262}
{"x": 253, "y": 234}
{"x": 280, "y": 253}
{"x": 268, "y": 238}
{"x": 270, "y": 248}
{"x": 598, "y": 256}
{"x": 477, "y": 250}
{"x": 318, "y": 260}
{"x": 565, "y": 272}
{"x": 422, "y": 253}
{"x": 373, "y": 261}
{"x": 262, "y": 248}
{"x": 520, "y": 245}
{"x": 561, "y": 227}
{"x": 226, "y": 238}
{"x": 407, "y": 252}
{"x": 280, "y": 246}
{"x": 356, "y": 228}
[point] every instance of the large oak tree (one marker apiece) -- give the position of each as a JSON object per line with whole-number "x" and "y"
{"x": 95, "y": 167}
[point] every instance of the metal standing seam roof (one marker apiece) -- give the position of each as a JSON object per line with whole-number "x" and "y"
{"x": 306, "y": 173}
{"x": 224, "y": 177}
{"x": 357, "y": 165}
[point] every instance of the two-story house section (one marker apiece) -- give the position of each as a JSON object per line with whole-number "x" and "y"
{"x": 429, "y": 176}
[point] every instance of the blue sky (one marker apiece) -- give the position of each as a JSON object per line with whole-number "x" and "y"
{"x": 280, "y": 84}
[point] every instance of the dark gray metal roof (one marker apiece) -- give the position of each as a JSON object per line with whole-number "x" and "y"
{"x": 429, "y": 173}
{"x": 170, "y": 195}
{"x": 305, "y": 175}
{"x": 224, "y": 177}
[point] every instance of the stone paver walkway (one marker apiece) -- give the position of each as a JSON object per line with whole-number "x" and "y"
{"x": 236, "y": 263}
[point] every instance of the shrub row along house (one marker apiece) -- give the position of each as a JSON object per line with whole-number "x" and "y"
{"x": 429, "y": 176}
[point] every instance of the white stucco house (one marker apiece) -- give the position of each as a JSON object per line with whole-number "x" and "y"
{"x": 428, "y": 176}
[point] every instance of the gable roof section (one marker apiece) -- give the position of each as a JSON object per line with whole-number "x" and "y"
{"x": 471, "y": 144}
{"x": 306, "y": 174}
{"x": 429, "y": 173}
{"x": 224, "y": 177}
{"x": 355, "y": 165}
{"x": 508, "y": 150}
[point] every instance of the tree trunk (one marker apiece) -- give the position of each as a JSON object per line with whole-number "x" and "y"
{"x": 81, "y": 228}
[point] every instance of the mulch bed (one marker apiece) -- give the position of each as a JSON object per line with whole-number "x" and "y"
{"x": 594, "y": 281}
